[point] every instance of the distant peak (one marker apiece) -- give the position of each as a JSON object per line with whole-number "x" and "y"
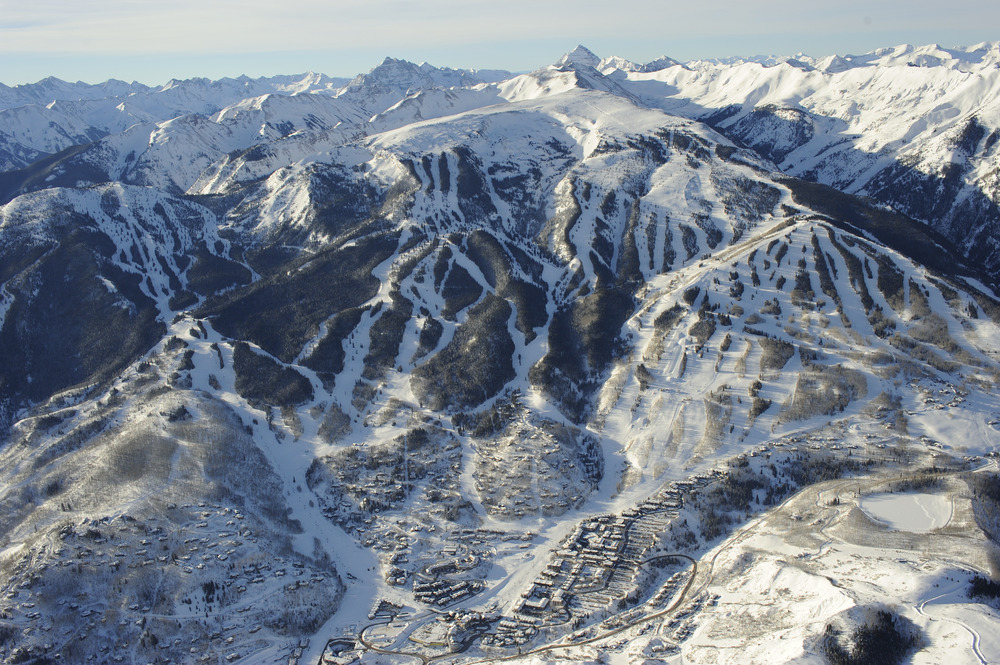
{"x": 834, "y": 64}
{"x": 663, "y": 62}
{"x": 51, "y": 80}
{"x": 391, "y": 67}
{"x": 616, "y": 62}
{"x": 395, "y": 62}
{"x": 581, "y": 55}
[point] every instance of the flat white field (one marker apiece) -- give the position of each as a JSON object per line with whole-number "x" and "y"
{"x": 918, "y": 513}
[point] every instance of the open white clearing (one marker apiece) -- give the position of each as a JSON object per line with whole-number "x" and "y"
{"x": 918, "y": 513}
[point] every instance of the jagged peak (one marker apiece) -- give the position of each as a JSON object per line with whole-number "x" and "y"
{"x": 625, "y": 65}
{"x": 395, "y": 63}
{"x": 581, "y": 55}
{"x": 389, "y": 67}
{"x": 663, "y": 62}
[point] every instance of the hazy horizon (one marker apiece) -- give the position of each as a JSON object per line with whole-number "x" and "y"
{"x": 106, "y": 39}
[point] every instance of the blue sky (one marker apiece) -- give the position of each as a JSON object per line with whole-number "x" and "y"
{"x": 93, "y": 40}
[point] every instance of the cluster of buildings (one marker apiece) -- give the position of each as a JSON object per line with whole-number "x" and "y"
{"x": 384, "y": 609}
{"x": 546, "y": 470}
{"x": 442, "y": 593}
{"x": 510, "y": 633}
{"x": 366, "y": 482}
{"x": 113, "y": 566}
{"x": 682, "y": 623}
{"x": 598, "y": 566}
{"x": 466, "y": 626}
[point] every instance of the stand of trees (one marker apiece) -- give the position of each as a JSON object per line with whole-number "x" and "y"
{"x": 882, "y": 640}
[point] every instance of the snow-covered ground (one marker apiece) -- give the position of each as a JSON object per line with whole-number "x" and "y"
{"x": 917, "y": 513}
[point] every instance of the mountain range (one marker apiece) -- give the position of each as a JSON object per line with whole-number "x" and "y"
{"x": 290, "y": 362}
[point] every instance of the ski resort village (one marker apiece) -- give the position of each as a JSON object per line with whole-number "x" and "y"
{"x": 604, "y": 362}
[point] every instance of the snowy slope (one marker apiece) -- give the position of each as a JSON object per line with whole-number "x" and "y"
{"x": 45, "y": 129}
{"x": 913, "y": 127}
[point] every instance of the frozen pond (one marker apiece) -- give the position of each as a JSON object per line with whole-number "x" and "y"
{"x": 909, "y": 512}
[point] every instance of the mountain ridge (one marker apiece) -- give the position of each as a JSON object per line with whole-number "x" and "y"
{"x": 910, "y": 162}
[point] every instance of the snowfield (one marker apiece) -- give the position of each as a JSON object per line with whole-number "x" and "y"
{"x": 918, "y": 513}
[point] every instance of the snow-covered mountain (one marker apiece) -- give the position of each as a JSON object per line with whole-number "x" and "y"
{"x": 52, "y": 115}
{"x": 600, "y": 359}
{"x": 914, "y": 128}
{"x": 394, "y": 80}
{"x": 51, "y": 89}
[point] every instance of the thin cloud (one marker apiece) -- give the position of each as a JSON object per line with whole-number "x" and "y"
{"x": 122, "y": 26}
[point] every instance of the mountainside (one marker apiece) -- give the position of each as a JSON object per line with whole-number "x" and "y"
{"x": 596, "y": 360}
{"x": 915, "y": 128}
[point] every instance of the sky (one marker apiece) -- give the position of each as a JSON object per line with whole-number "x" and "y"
{"x": 152, "y": 42}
